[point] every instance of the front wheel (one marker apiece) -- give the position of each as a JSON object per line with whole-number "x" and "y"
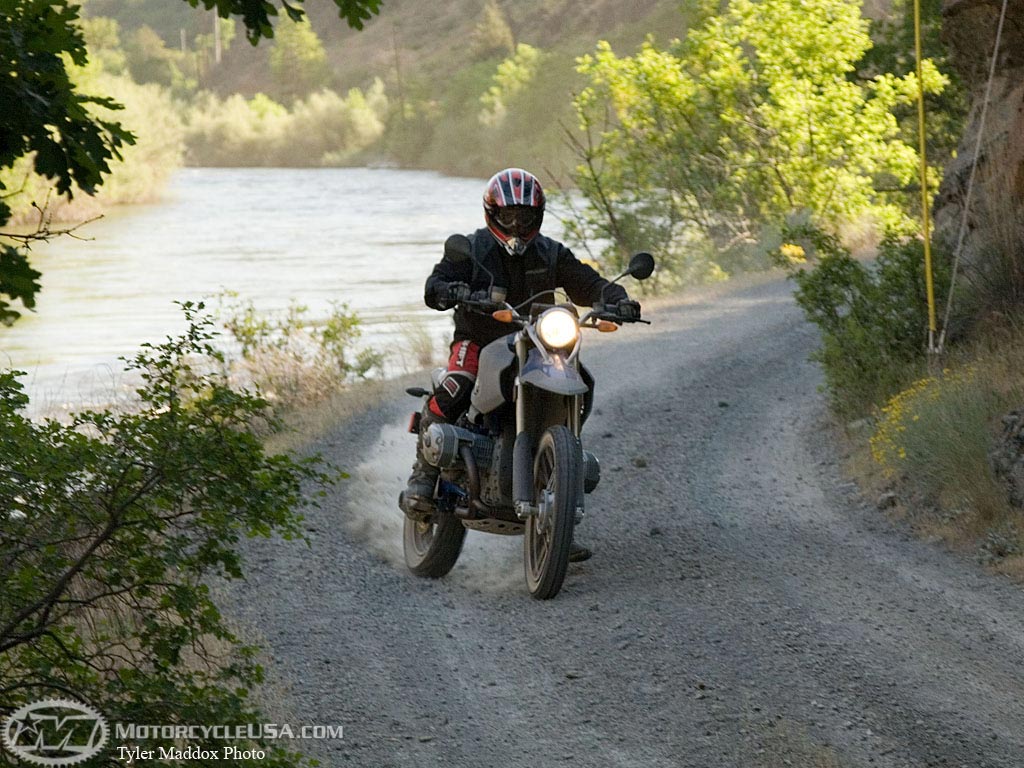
{"x": 432, "y": 547}
{"x": 548, "y": 534}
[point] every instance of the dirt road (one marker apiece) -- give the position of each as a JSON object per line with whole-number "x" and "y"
{"x": 743, "y": 608}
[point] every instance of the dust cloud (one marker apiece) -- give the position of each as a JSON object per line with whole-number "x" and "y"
{"x": 488, "y": 563}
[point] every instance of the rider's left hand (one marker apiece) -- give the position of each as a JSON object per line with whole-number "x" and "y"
{"x": 627, "y": 309}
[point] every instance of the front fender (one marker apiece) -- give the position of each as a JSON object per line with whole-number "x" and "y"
{"x": 555, "y": 374}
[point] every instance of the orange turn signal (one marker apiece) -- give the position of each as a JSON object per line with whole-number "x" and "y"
{"x": 503, "y": 315}
{"x": 606, "y": 326}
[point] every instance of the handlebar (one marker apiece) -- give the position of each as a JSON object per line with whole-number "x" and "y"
{"x": 609, "y": 315}
{"x": 487, "y": 307}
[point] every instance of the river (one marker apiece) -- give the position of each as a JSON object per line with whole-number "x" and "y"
{"x": 366, "y": 237}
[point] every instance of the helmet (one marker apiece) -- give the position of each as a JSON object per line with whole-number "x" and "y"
{"x": 514, "y": 208}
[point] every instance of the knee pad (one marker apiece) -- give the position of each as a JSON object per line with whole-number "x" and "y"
{"x": 451, "y": 398}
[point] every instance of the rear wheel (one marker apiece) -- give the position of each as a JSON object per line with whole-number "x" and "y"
{"x": 432, "y": 547}
{"x": 548, "y": 534}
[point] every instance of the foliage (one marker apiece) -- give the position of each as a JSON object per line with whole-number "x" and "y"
{"x": 873, "y": 318}
{"x": 514, "y": 75}
{"x": 18, "y": 282}
{"x": 894, "y": 52}
{"x": 115, "y": 524}
{"x": 143, "y": 167}
{"x": 298, "y": 61}
{"x": 70, "y": 145}
{"x": 292, "y": 358}
{"x": 150, "y": 60}
{"x": 66, "y": 142}
{"x": 256, "y": 14}
{"x": 483, "y": 120}
{"x": 324, "y": 129}
{"x": 753, "y": 120}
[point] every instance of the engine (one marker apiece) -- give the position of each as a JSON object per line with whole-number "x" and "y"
{"x": 442, "y": 444}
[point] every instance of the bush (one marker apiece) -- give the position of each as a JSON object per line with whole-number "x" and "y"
{"x": 113, "y": 525}
{"x": 292, "y": 358}
{"x": 325, "y": 129}
{"x": 873, "y": 318}
{"x": 936, "y": 436}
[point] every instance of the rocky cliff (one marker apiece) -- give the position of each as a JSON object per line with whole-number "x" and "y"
{"x": 997, "y": 207}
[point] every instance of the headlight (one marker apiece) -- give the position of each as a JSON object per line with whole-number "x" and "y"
{"x": 558, "y": 328}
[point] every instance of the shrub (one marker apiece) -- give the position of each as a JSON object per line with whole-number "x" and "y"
{"x": 114, "y": 523}
{"x": 873, "y": 318}
{"x": 235, "y": 132}
{"x": 292, "y": 358}
{"x": 936, "y": 436}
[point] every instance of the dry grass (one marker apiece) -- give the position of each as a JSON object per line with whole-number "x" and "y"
{"x": 418, "y": 348}
{"x": 993, "y": 277}
{"x": 931, "y": 444}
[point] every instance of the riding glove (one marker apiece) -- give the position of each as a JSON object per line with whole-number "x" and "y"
{"x": 450, "y": 294}
{"x": 627, "y": 309}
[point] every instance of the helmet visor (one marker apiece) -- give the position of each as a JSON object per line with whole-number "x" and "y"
{"x": 519, "y": 220}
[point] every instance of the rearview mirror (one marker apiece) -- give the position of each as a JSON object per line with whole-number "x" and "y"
{"x": 641, "y": 266}
{"x": 457, "y": 248}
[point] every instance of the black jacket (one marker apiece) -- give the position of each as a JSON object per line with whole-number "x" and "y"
{"x": 546, "y": 265}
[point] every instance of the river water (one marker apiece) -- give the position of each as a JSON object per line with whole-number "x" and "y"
{"x": 367, "y": 237}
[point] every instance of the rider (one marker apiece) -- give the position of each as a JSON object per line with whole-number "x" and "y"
{"x": 523, "y": 263}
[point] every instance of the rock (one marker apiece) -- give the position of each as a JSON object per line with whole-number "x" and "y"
{"x": 640, "y": 462}
{"x": 968, "y": 29}
{"x": 860, "y": 426}
{"x": 1007, "y": 457}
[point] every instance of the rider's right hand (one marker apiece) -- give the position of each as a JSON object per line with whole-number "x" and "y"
{"x": 450, "y": 294}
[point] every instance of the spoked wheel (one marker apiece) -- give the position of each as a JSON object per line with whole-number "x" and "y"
{"x": 548, "y": 534}
{"x": 432, "y": 547}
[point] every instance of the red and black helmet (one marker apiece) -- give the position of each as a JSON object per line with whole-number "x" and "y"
{"x": 514, "y": 208}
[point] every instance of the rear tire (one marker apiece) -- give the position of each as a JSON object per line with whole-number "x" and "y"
{"x": 432, "y": 547}
{"x": 548, "y": 535}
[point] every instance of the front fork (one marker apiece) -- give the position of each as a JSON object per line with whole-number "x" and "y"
{"x": 525, "y": 445}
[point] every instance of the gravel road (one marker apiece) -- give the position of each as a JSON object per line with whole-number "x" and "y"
{"x": 744, "y": 606}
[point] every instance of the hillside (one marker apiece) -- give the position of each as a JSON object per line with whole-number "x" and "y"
{"x": 411, "y": 48}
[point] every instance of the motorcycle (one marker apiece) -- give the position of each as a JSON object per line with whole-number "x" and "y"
{"x": 514, "y": 463}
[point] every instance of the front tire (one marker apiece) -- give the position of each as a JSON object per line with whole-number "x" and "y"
{"x": 548, "y": 534}
{"x": 432, "y": 547}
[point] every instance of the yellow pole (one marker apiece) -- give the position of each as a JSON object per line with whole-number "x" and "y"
{"x": 925, "y": 206}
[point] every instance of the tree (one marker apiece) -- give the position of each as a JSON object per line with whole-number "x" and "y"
{"x": 514, "y": 75}
{"x": 112, "y": 527}
{"x": 45, "y": 116}
{"x": 754, "y": 119}
{"x": 298, "y": 61}
{"x": 492, "y": 36}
